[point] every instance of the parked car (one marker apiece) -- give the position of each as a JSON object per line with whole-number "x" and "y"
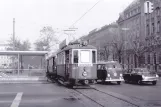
{"x": 110, "y": 71}
{"x": 141, "y": 75}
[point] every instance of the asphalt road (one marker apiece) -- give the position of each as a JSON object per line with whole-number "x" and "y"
{"x": 147, "y": 94}
{"x": 103, "y": 95}
{"x": 41, "y": 95}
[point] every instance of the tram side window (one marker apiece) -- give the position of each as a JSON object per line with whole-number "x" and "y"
{"x": 75, "y": 53}
{"x": 70, "y": 56}
{"x": 59, "y": 60}
{"x": 93, "y": 56}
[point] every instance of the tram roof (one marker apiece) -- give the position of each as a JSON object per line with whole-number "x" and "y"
{"x": 23, "y": 52}
{"x": 77, "y": 47}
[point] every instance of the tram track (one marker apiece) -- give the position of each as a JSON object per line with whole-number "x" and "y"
{"x": 86, "y": 91}
{"x": 89, "y": 98}
{"x": 117, "y": 97}
{"x": 102, "y": 96}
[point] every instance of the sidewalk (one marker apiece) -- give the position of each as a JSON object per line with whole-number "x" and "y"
{"x": 23, "y": 79}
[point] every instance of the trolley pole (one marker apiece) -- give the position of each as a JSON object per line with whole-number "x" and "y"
{"x": 69, "y": 34}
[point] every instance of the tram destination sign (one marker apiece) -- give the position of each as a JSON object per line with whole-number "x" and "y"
{"x": 63, "y": 43}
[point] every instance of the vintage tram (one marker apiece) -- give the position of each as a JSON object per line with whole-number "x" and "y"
{"x": 74, "y": 64}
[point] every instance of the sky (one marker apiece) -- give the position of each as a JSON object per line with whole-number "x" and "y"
{"x": 31, "y": 15}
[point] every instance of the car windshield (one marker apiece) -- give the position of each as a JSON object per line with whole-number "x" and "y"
{"x": 113, "y": 65}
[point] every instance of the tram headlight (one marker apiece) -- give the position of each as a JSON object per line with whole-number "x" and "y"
{"x": 84, "y": 74}
{"x": 121, "y": 75}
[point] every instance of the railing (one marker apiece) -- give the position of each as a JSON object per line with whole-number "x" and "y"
{"x": 22, "y": 72}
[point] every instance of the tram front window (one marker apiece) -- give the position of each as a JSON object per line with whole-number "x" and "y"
{"x": 85, "y": 56}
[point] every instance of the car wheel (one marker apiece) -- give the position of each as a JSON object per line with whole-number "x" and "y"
{"x": 154, "y": 82}
{"x": 139, "y": 82}
{"x": 118, "y": 82}
{"x": 126, "y": 81}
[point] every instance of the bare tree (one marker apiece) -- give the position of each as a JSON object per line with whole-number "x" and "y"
{"x": 47, "y": 39}
{"x": 118, "y": 44}
{"x": 42, "y": 45}
{"x": 26, "y": 45}
{"x": 107, "y": 51}
{"x": 18, "y": 45}
{"x": 138, "y": 47}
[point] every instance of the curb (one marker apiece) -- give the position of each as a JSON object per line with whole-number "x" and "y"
{"x": 22, "y": 78}
{"x": 24, "y": 82}
{"x": 42, "y": 80}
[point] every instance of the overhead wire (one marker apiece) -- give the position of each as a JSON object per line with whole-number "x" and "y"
{"x": 85, "y": 13}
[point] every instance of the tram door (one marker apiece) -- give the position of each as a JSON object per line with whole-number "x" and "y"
{"x": 67, "y": 64}
{"x": 54, "y": 65}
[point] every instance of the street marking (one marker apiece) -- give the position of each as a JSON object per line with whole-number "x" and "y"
{"x": 17, "y": 100}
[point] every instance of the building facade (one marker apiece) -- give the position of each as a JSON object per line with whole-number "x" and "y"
{"x": 142, "y": 35}
{"x": 153, "y": 37}
{"x": 131, "y": 26}
{"x": 103, "y": 39}
{"x": 5, "y": 60}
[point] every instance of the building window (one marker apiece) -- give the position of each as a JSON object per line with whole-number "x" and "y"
{"x": 153, "y": 28}
{"x": 142, "y": 59}
{"x": 158, "y": 27}
{"x": 126, "y": 15}
{"x": 159, "y": 58}
{"x": 131, "y": 59}
{"x": 158, "y": 11}
{"x": 132, "y": 12}
{"x": 138, "y": 9}
{"x": 147, "y": 29}
{"x": 148, "y": 58}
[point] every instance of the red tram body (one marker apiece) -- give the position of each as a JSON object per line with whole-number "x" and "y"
{"x": 74, "y": 64}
